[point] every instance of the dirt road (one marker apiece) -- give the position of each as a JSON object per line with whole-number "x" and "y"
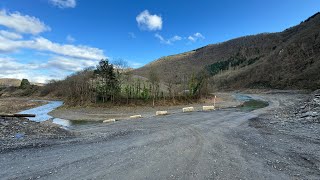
{"x": 224, "y": 144}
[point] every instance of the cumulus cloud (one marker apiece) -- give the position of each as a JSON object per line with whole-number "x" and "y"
{"x": 43, "y": 44}
{"x": 57, "y": 59}
{"x": 22, "y": 23}
{"x": 168, "y": 41}
{"x": 64, "y": 3}
{"x": 69, "y": 64}
{"x": 10, "y": 35}
{"x": 147, "y": 21}
{"x": 195, "y": 37}
{"x": 11, "y": 68}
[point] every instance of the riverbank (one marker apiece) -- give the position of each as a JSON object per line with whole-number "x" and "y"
{"x": 223, "y": 100}
{"x": 222, "y": 144}
{"x": 15, "y": 105}
{"x": 17, "y": 133}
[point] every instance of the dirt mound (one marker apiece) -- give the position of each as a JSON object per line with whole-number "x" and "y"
{"x": 21, "y": 132}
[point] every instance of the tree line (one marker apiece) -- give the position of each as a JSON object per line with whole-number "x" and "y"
{"x": 115, "y": 83}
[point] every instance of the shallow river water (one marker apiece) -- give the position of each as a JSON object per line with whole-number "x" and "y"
{"x": 42, "y": 114}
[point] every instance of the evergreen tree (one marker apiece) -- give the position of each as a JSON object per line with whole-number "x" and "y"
{"x": 25, "y": 84}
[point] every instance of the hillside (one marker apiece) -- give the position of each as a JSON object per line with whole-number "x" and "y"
{"x": 288, "y": 59}
{"x": 7, "y": 82}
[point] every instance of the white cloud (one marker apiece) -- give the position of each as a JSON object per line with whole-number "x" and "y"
{"x": 11, "y": 68}
{"x": 43, "y": 44}
{"x": 10, "y": 35}
{"x": 147, "y": 21}
{"x": 22, "y": 23}
{"x": 199, "y": 35}
{"x": 168, "y": 41}
{"x": 69, "y": 64}
{"x": 58, "y": 60}
{"x": 64, "y": 3}
{"x": 195, "y": 37}
{"x": 191, "y": 38}
{"x": 70, "y": 39}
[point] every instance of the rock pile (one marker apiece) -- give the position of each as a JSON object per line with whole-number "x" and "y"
{"x": 305, "y": 111}
{"x": 309, "y": 110}
{"x": 21, "y": 128}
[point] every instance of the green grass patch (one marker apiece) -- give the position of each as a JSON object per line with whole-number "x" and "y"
{"x": 253, "y": 105}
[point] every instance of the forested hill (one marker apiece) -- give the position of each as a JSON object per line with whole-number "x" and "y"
{"x": 288, "y": 59}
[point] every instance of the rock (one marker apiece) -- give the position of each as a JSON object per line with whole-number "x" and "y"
{"x": 19, "y": 136}
{"x": 188, "y": 109}
{"x": 4, "y": 123}
{"x": 135, "y": 116}
{"x": 161, "y": 113}
{"x": 109, "y": 120}
{"x": 307, "y": 114}
{"x": 208, "y": 108}
{"x": 302, "y": 107}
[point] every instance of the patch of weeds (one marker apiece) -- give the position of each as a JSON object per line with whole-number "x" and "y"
{"x": 253, "y": 105}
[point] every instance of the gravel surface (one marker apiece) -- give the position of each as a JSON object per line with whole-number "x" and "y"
{"x": 122, "y": 112}
{"x": 223, "y": 144}
{"x": 17, "y": 133}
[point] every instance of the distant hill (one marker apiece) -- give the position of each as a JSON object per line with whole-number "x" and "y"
{"x": 10, "y": 82}
{"x": 288, "y": 59}
{"x": 7, "y": 82}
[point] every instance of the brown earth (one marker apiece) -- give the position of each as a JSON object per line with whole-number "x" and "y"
{"x": 288, "y": 59}
{"x": 15, "y": 105}
{"x": 123, "y": 112}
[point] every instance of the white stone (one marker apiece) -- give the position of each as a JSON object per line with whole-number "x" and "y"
{"x": 135, "y": 116}
{"x": 188, "y": 109}
{"x": 208, "y": 108}
{"x": 109, "y": 120}
{"x": 161, "y": 113}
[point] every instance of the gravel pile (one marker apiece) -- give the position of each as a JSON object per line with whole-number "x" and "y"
{"x": 307, "y": 111}
{"x": 19, "y": 132}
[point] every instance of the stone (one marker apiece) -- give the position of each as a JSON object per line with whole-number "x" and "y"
{"x": 188, "y": 109}
{"x": 158, "y": 113}
{"x": 109, "y": 120}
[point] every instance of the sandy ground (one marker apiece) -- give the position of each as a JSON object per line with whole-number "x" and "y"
{"x": 15, "y": 105}
{"x": 123, "y": 112}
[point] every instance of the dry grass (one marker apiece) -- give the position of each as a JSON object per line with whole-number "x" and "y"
{"x": 289, "y": 60}
{"x": 15, "y": 105}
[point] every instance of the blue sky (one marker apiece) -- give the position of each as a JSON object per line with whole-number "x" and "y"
{"x": 53, "y": 38}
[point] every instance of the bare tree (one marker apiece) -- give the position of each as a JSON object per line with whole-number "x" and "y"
{"x": 154, "y": 80}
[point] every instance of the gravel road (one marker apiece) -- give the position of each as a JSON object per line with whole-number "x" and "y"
{"x": 224, "y": 144}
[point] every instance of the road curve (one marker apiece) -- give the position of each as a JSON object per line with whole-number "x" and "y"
{"x": 199, "y": 145}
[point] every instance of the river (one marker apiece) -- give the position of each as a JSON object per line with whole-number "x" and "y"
{"x": 42, "y": 113}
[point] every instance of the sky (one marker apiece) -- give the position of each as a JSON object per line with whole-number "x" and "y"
{"x": 50, "y": 39}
